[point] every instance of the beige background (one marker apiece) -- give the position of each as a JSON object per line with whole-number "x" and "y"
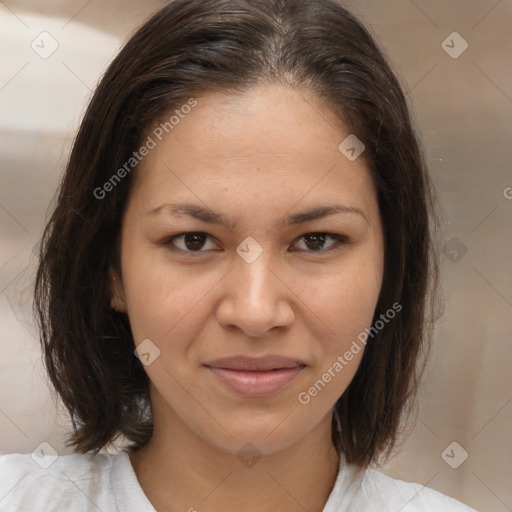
{"x": 463, "y": 107}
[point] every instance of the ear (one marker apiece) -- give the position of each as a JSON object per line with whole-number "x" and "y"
{"x": 116, "y": 288}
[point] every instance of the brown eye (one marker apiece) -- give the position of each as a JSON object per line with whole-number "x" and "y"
{"x": 190, "y": 242}
{"x": 315, "y": 242}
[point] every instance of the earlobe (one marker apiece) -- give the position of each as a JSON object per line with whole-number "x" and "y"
{"x": 117, "y": 298}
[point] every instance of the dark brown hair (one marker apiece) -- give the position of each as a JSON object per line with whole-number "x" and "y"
{"x": 194, "y": 46}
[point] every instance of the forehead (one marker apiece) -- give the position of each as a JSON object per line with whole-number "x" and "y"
{"x": 265, "y": 119}
{"x": 271, "y": 143}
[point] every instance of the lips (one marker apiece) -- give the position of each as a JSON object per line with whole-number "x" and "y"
{"x": 255, "y": 363}
{"x": 255, "y": 377}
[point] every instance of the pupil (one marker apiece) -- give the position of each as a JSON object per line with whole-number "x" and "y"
{"x": 193, "y": 241}
{"x": 317, "y": 239}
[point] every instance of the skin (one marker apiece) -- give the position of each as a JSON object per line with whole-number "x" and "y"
{"x": 255, "y": 158}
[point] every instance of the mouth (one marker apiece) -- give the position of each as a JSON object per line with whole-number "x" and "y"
{"x": 255, "y": 377}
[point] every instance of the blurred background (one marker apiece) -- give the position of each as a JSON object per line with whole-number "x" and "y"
{"x": 455, "y": 62}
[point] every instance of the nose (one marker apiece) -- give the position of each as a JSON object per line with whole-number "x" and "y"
{"x": 255, "y": 298}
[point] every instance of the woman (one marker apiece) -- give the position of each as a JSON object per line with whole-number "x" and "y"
{"x": 236, "y": 279}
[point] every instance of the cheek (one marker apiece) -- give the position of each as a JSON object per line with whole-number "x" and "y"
{"x": 347, "y": 306}
{"x": 348, "y": 299}
{"x": 164, "y": 302}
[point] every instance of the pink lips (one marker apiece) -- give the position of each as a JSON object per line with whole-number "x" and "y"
{"x": 256, "y": 377}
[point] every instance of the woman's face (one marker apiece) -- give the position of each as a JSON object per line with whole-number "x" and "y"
{"x": 243, "y": 326}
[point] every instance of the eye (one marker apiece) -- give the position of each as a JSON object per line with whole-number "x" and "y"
{"x": 191, "y": 241}
{"x": 315, "y": 241}
{"x": 194, "y": 241}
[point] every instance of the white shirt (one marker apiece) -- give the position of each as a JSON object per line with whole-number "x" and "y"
{"x": 107, "y": 483}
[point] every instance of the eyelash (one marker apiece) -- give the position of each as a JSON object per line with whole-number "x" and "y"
{"x": 340, "y": 240}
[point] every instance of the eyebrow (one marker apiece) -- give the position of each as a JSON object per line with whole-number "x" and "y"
{"x": 207, "y": 215}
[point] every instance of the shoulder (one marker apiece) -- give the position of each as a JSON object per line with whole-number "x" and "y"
{"x": 373, "y": 491}
{"x": 405, "y": 496}
{"x": 48, "y": 482}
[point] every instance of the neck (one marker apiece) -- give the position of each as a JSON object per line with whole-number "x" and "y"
{"x": 181, "y": 471}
